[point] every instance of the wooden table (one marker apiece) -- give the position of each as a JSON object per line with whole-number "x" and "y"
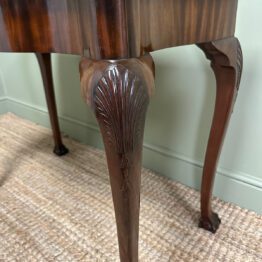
{"x": 114, "y": 37}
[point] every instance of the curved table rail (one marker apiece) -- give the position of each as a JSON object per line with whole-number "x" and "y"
{"x": 112, "y": 29}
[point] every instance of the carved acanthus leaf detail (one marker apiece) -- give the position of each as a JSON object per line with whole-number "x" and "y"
{"x": 220, "y": 54}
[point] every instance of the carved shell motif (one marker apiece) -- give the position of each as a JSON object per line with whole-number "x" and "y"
{"x": 215, "y": 54}
{"x": 120, "y": 100}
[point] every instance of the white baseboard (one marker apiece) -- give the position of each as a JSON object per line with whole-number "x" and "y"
{"x": 242, "y": 189}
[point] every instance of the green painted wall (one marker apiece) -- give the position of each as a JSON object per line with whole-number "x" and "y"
{"x": 179, "y": 115}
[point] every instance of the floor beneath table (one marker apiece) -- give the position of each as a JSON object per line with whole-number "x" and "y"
{"x": 60, "y": 209}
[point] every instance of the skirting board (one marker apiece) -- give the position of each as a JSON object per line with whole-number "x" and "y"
{"x": 239, "y": 188}
{"x": 3, "y": 105}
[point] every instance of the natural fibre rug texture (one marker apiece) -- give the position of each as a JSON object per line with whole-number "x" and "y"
{"x": 60, "y": 208}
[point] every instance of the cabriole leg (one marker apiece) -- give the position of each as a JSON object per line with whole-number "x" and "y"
{"x": 44, "y": 61}
{"x": 226, "y": 62}
{"x": 118, "y": 92}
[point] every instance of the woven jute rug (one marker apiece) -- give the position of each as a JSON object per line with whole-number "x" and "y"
{"x": 60, "y": 208}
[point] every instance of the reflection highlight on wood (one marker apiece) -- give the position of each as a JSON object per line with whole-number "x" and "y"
{"x": 119, "y": 92}
{"x": 112, "y": 29}
{"x": 226, "y": 62}
{"x": 110, "y": 34}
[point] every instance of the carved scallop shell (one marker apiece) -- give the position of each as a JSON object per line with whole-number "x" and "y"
{"x": 120, "y": 102}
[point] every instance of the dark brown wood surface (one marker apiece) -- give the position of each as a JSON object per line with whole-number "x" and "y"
{"x": 226, "y": 62}
{"x": 44, "y": 61}
{"x": 118, "y": 92}
{"x": 117, "y": 80}
{"x": 112, "y": 29}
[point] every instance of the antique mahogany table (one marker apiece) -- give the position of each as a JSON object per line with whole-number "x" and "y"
{"x": 114, "y": 37}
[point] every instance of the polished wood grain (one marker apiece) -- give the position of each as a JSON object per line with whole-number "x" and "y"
{"x": 44, "y": 61}
{"x": 117, "y": 76}
{"x": 119, "y": 92}
{"x": 226, "y": 62}
{"x": 112, "y": 29}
